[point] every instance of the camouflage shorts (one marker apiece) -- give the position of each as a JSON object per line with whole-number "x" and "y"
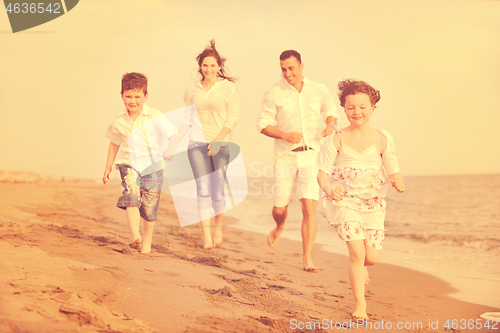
{"x": 141, "y": 192}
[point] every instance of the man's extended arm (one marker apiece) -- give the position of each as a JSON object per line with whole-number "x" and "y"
{"x": 271, "y": 131}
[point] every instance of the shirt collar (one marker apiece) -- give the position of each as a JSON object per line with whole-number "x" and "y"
{"x": 146, "y": 110}
{"x": 305, "y": 80}
{"x": 216, "y": 83}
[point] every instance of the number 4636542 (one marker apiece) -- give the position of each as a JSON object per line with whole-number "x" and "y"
{"x": 471, "y": 323}
{"x": 33, "y": 8}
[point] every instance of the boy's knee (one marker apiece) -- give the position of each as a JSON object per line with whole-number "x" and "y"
{"x": 149, "y": 206}
{"x": 370, "y": 261}
{"x": 129, "y": 200}
{"x": 149, "y": 214}
{"x": 150, "y": 198}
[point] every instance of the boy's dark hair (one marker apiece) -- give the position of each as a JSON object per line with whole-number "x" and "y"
{"x": 290, "y": 53}
{"x": 135, "y": 81}
{"x": 353, "y": 87}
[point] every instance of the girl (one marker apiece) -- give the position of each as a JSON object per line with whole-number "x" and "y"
{"x": 358, "y": 158}
{"x": 216, "y": 100}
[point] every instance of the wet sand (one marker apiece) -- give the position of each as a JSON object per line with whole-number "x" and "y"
{"x": 66, "y": 266}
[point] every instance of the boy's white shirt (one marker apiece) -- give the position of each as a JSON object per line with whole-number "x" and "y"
{"x": 143, "y": 141}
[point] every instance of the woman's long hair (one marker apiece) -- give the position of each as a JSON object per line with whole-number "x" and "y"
{"x": 211, "y": 51}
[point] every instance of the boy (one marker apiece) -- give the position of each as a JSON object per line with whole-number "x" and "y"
{"x": 137, "y": 138}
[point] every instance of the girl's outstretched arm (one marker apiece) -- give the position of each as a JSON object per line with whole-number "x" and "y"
{"x": 397, "y": 182}
{"x": 390, "y": 161}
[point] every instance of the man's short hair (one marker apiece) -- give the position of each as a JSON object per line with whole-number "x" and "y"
{"x": 290, "y": 53}
{"x": 135, "y": 81}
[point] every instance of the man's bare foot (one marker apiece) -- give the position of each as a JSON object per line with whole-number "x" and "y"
{"x": 367, "y": 276}
{"x": 217, "y": 237}
{"x": 309, "y": 266}
{"x": 360, "y": 311}
{"x": 274, "y": 235}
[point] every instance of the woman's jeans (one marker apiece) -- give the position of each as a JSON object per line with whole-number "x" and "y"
{"x": 209, "y": 173}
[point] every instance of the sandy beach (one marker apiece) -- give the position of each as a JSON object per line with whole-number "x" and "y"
{"x": 66, "y": 267}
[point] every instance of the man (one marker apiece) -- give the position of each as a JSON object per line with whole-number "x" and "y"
{"x": 296, "y": 112}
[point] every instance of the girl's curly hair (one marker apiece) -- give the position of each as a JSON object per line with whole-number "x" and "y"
{"x": 353, "y": 87}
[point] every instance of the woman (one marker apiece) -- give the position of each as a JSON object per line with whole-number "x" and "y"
{"x": 216, "y": 100}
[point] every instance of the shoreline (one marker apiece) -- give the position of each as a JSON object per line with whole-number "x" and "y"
{"x": 403, "y": 252}
{"x": 465, "y": 287}
{"x": 68, "y": 265}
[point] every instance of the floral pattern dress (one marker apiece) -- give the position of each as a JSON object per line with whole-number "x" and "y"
{"x": 360, "y": 213}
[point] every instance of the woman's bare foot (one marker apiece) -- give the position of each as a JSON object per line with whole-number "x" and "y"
{"x": 274, "y": 235}
{"x": 309, "y": 266}
{"x": 367, "y": 276}
{"x": 360, "y": 311}
{"x": 217, "y": 237}
{"x": 208, "y": 243}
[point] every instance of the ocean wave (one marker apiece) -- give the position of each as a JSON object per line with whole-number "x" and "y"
{"x": 468, "y": 241}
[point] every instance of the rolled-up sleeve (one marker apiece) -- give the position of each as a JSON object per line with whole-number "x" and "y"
{"x": 189, "y": 112}
{"x": 389, "y": 158}
{"x": 187, "y": 97}
{"x": 232, "y": 109}
{"x": 328, "y": 106}
{"x": 267, "y": 114}
{"x": 327, "y": 155}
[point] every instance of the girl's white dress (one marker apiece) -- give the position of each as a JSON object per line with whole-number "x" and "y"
{"x": 360, "y": 213}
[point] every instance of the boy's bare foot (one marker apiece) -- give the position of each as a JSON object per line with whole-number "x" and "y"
{"x": 147, "y": 238}
{"x": 309, "y": 266}
{"x": 360, "y": 311}
{"x": 136, "y": 244}
{"x": 367, "y": 276}
{"x": 146, "y": 247}
{"x": 274, "y": 235}
{"x": 217, "y": 237}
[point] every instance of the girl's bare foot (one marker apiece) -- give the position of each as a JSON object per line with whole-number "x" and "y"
{"x": 367, "y": 276}
{"x": 217, "y": 237}
{"x": 360, "y": 311}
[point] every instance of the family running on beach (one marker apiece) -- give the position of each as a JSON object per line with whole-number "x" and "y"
{"x": 352, "y": 166}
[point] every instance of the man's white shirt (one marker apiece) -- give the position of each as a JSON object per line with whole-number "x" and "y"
{"x": 289, "y": 110}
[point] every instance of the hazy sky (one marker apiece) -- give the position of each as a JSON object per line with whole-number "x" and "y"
{"x": 436, "y": 63}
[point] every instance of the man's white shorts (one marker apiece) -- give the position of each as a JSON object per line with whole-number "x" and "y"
{"x": 295, "y": 172}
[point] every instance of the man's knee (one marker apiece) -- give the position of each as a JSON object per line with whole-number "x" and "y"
{"x": 279, "y": 211}
{"x": 308, "y": 207}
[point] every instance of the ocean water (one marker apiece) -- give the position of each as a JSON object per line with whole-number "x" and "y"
{"x": 448, "y": 226}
